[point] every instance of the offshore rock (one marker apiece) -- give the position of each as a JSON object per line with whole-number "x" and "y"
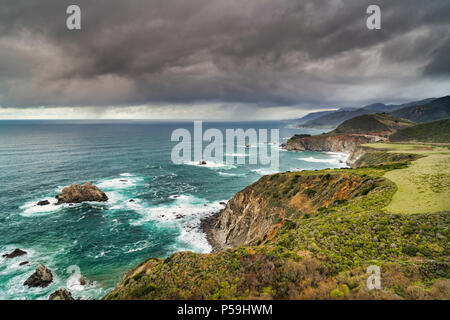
{"x": 77, "y": 194}
{"x": 16, "y": 253}
{"x": 42, "y": 277}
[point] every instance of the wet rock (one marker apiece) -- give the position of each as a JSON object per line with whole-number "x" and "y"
{"x": 131, "y": 200}
{"x": 123, "y": 180}
{"x": 43, "y": 203}
{"x": 42, "y": 277}
{"x": 202, "y": 162}
{"x": 82, "y": 281}
{"x": 16, "y": 253}
{"x": 222, "y": 203}
{"x": 61, "y": 294}
{"x": 77, "y": 194}
{"x": 23, "y": 263}
{"x": 179, "y": 216}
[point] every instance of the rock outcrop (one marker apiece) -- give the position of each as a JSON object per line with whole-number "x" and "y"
{"x": 350, "y": 135}
{"x": 16, "y": 253}
{"x": 43, "y": 203}
{"x": 42, "y": 277}
{"x": 77, "y": 194}
{"x": 61, "y": 294}
{"x": 347, "y": 143}
{"x": 254, "y": 214}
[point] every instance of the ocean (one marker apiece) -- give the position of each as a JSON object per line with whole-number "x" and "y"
{"x": 128, "y": 160}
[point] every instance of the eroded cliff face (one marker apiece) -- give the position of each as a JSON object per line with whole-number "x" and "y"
{"x": 346, "y": 143}
{"x": 247, "y": 219}
{"x": 335, "y": 143}
{"x": 254, "y": 214}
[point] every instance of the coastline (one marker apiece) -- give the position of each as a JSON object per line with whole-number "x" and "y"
{"x": 207, "y": 227}
{"x": 213, "y": 236}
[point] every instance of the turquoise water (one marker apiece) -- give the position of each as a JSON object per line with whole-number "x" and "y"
{"x": 127, "y": 160}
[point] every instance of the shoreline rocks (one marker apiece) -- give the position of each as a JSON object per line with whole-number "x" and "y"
{"x": 207, "y": 225}
{"x": 16, "y": 253}
{"x": 61, "y": 294}
{"x": 77, "y": 194}
{"x": 43, "y": 203}
{"x": 42, "y": 277}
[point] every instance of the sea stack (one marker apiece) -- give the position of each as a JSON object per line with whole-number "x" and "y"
{"x": 42, "y": 277}
{"x": 77, "y": 194}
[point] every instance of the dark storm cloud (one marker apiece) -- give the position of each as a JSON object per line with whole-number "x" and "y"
{"x": 266, "y": 52}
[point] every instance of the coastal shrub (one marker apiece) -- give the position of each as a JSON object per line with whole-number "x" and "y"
{"x": 337, "y": 294}
{"x": 289, "y": 225}
{"x": 410, "y": 250}
{"x": 310, "y": 192}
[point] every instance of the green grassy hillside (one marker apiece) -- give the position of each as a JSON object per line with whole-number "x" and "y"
{"x": 373, "y": 124}
{"x": 437, "y": 131}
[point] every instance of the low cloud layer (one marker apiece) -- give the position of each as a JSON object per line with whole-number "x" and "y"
{"x": 204, "y": 55}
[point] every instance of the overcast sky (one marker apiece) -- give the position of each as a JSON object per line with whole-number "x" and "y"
{"x": 218, "y": 59}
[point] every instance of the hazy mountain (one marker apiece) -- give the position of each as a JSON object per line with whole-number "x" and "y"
{"x": 431, "y": 111}
{"x": 333, "y": 119}
{"x": 314, "y": 115}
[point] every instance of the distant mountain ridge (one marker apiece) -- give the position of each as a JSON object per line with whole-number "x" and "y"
{"x": 314, "y": 115}
{"x": 332, "y": 119}
{"x": 432, "y": 111}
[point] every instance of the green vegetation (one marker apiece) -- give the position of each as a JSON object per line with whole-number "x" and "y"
{"x": 337, "y": 223}
{"x": 438, "y": 131}
{"x": 378, "y": 123}
{"x": 424, "y": 185}
{"x": 382, "y": 158}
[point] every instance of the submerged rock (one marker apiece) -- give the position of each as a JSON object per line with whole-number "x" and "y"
{"x": 43, "y": 203}
{"x": 77, "y": 194}
{"x": 61, "y": 294}
{"x": 42, "y": 277}
{"x": 23, "y": 263}
{"x": 16, "y": 253}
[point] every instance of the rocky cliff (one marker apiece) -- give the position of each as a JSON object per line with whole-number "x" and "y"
{"x": 254, "y": 214}
{"x": 346, "y": 142}
{"x": 312, "y": 236}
